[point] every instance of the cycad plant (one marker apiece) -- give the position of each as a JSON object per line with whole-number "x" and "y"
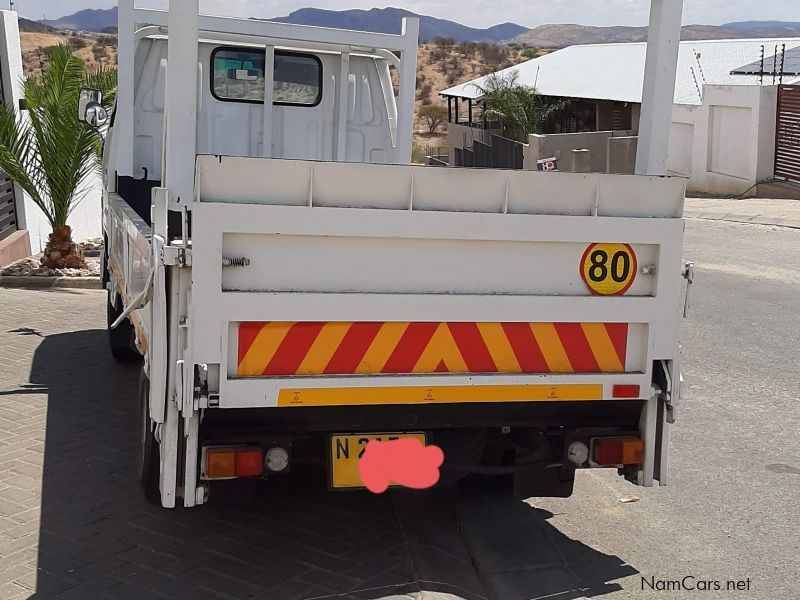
{"x": 520, "y": 109}
{"x": 48, "y": 152}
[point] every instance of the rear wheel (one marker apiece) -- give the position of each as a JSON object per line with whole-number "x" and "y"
{"x": 148, "y": 463}
{"x": 122, "y": 338}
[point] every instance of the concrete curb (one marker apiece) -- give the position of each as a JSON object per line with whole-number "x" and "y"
{"x": 31, "y": 281}
{"x": 792, "y": 223}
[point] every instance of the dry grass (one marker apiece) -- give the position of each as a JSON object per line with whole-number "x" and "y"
{"x": 94, "y": 50}
{"x": 440, "y": 67}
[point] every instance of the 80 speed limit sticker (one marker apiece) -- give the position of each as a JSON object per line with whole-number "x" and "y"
{"x": 609, "y": 269}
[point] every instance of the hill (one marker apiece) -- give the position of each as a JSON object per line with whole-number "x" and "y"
{"x": 28, "y": 26}
{"x": 388, "y": 20}
{"x": 751, "y": 25}
{"x": 383, "y": 20}
{"x": 560, "y": 36}
{"x": 86, "y": 20}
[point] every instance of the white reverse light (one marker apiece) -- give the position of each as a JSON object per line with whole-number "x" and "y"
{"x": 578, "y": 453}
{"x": 277, "y": 459}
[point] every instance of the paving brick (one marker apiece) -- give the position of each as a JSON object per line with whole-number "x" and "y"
{"x": 73, "y": 523}
{"x": 68, "y": 497}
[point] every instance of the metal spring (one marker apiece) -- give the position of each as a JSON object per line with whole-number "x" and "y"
{"x": 239, "y": 261}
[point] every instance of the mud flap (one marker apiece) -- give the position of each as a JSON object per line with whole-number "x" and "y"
{"x": 665, "y": 418}
{"x": 660, "y": 468}
{"x": 543, "y": 483}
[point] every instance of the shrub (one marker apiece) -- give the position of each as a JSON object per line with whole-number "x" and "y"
{"x": 434, "y": 115}
{"x": 51, "y": 154}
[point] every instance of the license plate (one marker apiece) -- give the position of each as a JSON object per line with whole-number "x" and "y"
{"x": 346, "y": 450}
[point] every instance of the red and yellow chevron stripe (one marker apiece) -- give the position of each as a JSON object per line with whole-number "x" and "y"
{"x": 337, "y": 348}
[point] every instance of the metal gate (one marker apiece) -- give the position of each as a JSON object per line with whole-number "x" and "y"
{"x": 8, "y": 214}
{"x": 787, "y": 134}
{"x": 8, "y": 209}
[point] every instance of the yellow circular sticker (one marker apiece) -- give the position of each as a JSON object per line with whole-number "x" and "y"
{"x": 609, "y": 269}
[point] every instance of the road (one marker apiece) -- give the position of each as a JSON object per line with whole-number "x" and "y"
{"x": 731, "y": 510}
{"x": 73, "y": 525}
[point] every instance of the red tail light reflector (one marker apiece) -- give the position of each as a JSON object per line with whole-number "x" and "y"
{"x": 618, "y": 451}
{"x": 249, "y": 462}
{"x": 625, "y": 391}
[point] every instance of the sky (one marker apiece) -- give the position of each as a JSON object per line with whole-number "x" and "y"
{"x": 475, "y": 13}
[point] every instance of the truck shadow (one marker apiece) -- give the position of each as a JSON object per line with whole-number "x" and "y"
{"x": 289, "y": 538}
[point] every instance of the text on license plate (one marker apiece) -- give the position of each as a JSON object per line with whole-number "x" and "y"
{"x": 346, "y": 450}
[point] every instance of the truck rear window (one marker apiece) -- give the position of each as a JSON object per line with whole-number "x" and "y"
{"x": 238, "y": 76}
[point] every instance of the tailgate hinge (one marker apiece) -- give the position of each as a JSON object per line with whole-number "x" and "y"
{"x": 176, "y": 256}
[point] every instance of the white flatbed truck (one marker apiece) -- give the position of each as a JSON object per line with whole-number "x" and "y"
{"x": 296, "y": 288}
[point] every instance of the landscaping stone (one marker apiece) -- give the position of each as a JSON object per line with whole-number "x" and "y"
{"x": 32, "y": 267}
{"x": 29, "y": 272}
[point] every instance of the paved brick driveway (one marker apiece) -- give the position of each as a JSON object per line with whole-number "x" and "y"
{"x": 73, "y": 523}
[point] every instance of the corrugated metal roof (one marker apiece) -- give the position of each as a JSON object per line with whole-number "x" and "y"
{"x": 616, "y": 71}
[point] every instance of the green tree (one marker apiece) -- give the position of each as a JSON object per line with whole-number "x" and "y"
{"x": 48, "y": 152}
{"x": 434, "y": 115}
{"x": 519, "y": 109}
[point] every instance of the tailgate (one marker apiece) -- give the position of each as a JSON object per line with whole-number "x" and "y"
{"x": 371, "y": 284}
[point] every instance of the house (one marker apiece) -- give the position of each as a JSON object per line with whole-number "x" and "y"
{"x": 724, "y": 116}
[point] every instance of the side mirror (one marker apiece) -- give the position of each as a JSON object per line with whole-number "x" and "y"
{"x": 90, "y": 109}
{"x": 96, "y": 115}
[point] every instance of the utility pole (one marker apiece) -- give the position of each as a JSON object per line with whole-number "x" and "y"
{"x": 658, "y": 91}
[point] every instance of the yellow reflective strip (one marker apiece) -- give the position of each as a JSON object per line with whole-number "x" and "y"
{"x": 604, "y": 352}
{"x": 263, "y": 349}
{"x": 439, "y": 395}
{"x": 381, "y": 347}
{"x": 323, "y": 348}
{"x": 551, "y": 347}
{"x": 499, "y": 347}
{"x": 441, "y": 347}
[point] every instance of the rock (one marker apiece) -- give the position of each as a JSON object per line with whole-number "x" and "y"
{"x": 33, "y": 267}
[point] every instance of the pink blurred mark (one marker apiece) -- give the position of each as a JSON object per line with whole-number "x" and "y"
{"x": 405, "y": 462}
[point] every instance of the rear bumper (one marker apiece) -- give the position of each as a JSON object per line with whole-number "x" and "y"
{"x": 571, "y": 415}
{"x": 534, "y": 451}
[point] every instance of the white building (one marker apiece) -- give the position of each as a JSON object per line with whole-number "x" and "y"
{"x": 723, "y": 132}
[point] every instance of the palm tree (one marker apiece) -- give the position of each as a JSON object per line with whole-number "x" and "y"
{"x": 50, "y": 154}
{"x": 520, "y": 109}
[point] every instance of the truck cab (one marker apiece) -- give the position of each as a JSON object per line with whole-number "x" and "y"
{"x": 310, "y": 90}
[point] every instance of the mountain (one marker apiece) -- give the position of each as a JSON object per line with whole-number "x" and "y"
{"x": 560, "y": 36}
{"x": 383, "y": 20}
{"x": 86, "y": 20}
{"x": 28, "y": 26}
{"x": 388, "y": 20}
{"x": 750, "y": 25}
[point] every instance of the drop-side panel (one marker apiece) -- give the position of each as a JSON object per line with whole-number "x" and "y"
{"x": 237, "y": 180}
{"x": 363, "y": 264}
{"x": 363, "y": 284}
